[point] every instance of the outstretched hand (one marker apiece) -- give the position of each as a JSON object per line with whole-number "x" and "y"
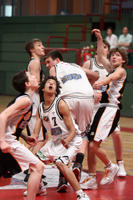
{"x": 97, "y": 33}
{"x": 31, "y": 140}
{"x": 97, "y": 85}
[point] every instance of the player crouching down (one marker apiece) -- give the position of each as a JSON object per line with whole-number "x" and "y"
{"x": 65, "y": 140}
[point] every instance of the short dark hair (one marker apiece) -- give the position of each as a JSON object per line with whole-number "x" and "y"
{"x": 19, "y": 80}
{"x": 122, "y": 52}
{"x": 30, "y": 45}
{"x": 54, "y": 54}
{"x": 42, "y": 85}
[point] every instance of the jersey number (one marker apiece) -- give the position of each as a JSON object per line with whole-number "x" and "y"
{"x": 54, "y": 120}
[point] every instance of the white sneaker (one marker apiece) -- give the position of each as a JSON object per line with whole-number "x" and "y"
{"x": 83, "y": 196}
{"x": 110, "y": 173}
{"x": 121, "y": 172}
{"x": 41, "y": 192}
{"x": 89, "y": 183}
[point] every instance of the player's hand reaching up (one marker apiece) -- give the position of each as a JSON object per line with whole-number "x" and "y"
{"x": 97, "y": 33}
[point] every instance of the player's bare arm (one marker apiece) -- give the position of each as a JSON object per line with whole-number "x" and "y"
{"x": 37, "y": 126}
{"x": 10, "y": 113}
{"x": 119, "y": 73}
{"x": 28, "y": 139}
{"x": 86, "y": 65}
{"x": 100, "y": 50}
{"x": 64, "y": 111}
{"x": 92, "y": 76}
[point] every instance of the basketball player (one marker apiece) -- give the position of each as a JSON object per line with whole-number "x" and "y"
{"x": 77, "y": 91}
{"x": 64, "y": 142}
{"x": 107, "y": 116}
{"x": 36, "y": 51}
{"x": 95, "y": 65}
{"x": 15, "y": 157}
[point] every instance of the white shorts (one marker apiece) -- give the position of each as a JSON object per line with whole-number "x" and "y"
{"x": 21, "y": 154}
{"x": 82, "y": 110}
{"x": 56, "y": 150}
{"x": 104, "y": 123}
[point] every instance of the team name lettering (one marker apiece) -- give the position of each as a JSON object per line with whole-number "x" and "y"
{"x": 71, "y": 77}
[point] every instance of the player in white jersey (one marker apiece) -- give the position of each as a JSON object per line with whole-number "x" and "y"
{"x": 36, "y": 51}
{"x": 77, "y": 92}
{"x": 107, "y": 117}
{"x": 14, "y": 156}
{"x": 64, "y": 143}
{"x": 95, "y": 65}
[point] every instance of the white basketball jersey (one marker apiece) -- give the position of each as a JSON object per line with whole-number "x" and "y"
{"x": 114, "y": 92}
{"x": 102, "y": 72}
{"x": 73, "y": 80}
{"x": 53, "y": 121}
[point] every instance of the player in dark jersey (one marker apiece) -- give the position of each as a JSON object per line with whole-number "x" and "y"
{"x": 105, "y": 120}
{"x": 13, "y": 120}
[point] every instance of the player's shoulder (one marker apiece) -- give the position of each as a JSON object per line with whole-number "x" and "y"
{"x": 24, "y": 98}
{"x": 34, "y": 62}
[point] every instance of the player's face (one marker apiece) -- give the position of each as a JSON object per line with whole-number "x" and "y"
{"x": 116, "y": 59}
{"x": 39, "y": 49}
{"x": 33, "y": 83}
{"x": 50, "y": 86}
{"x": 49, "y": 62}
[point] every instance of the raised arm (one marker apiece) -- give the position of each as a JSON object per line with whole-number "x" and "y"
{"x": 100, "y": 50}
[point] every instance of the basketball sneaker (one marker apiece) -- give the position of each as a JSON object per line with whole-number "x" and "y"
{"x": 77, "y": 170}
{"x": 121, "y": 172}
{"x": 62, "y": 186}
{"x": 83, "y": 196}
{"x": 43, "y": 179}
{"x": 26, "y": 178}
{"x": 89, "y": 183}
{"x": 41, "y": 192}
{"x": 110, "y": 173}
